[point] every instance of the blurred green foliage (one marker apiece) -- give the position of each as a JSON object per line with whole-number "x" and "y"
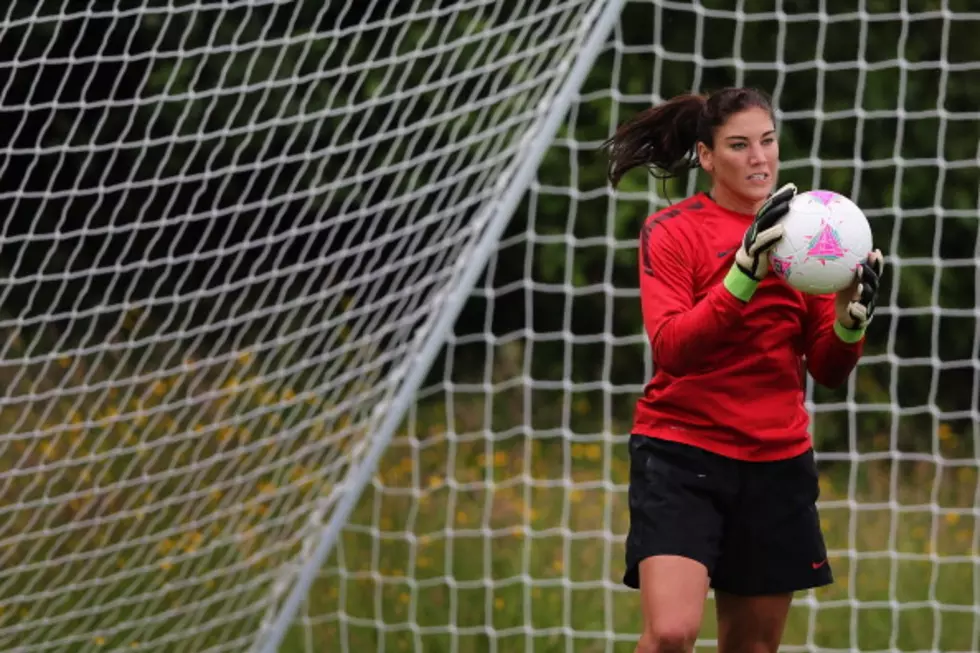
{"x": 228, "y": 169}
{"x": 245, "y": 132}
{"x": 869, "y": 110}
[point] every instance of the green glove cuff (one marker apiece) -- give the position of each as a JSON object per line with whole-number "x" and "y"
{"x": 848, "y": 335}
{"x": 740, "y": 284}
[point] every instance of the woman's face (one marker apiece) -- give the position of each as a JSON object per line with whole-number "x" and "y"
{"x": 744, "y": 161}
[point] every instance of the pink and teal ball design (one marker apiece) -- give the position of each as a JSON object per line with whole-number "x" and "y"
{"x": 782, "y": 266}
{"x": 826, "y": 245}
{"x": 825, "y": 237}
{"x": 825, "y": 197}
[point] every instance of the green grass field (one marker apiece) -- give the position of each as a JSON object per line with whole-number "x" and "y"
{"x": 152, "y": 513}
{"x": 148, "y": 501}
{"x": 457, "y": 548}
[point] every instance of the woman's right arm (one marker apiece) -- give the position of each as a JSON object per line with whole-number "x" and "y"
{"x": 680, "y": 331}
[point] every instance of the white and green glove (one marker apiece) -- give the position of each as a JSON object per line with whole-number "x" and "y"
{"x": 856, "y": 304}
{"x": 752, "y": 258}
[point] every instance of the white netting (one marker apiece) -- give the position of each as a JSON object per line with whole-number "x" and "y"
{"x": 225, "y": 228}
{"x": 497, "y": 519}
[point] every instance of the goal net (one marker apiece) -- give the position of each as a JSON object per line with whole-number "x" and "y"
{"x": 230, "y": 231}
{"x": 321, "y": 329}
{"x": 497, "y": 518}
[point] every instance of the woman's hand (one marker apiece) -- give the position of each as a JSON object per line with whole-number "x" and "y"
{"x": 762, "y": 235}
{"x": 856, "y": 304}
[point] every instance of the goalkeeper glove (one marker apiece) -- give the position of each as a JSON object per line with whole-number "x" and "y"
{"x": 856, "y": 304}
{"x": 752, "y": 257}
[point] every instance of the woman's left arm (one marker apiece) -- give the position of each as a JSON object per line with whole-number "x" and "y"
{"x": 836, "y": 324}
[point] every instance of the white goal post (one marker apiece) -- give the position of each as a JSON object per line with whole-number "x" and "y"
{"x": 321, "y": 331}
{"x": 236, "y": 234}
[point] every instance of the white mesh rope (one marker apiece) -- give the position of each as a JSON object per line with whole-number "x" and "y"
{"x": 497, "y": 519}
{"x": 226, "y": 228}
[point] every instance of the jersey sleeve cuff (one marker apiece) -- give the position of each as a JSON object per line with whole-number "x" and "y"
{"x": 849, "y": 336}
{"x": 740, "y": 284}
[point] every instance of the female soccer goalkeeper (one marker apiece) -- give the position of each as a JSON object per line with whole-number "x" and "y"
{"x": 723, "y": 485}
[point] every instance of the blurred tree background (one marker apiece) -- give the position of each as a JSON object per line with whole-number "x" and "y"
{"x": 236, "y": 171}
{"x": 112, "y": 147}
{"x": 881, "y": 112}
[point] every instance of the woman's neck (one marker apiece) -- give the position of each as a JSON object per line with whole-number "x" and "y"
{"x": 733, "y": 202}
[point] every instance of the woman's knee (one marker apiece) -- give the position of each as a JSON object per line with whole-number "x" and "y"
{"x": 669, "y": 636}
{"x": 673, "y": 590}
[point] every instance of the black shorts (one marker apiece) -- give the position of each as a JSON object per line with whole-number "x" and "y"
{"x": 754, "y": 525}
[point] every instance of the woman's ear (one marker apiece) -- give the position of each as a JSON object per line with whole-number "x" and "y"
{"x": 704, "y": 157}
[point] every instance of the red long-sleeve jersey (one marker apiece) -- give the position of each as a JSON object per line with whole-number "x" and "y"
{"x": 729, "y": 374}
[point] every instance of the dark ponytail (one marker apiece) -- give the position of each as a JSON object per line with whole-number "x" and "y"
{"x": 664, "y": 138}
{"x": 661, "y": 138}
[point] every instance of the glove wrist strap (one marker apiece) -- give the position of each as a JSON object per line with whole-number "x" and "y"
{"x": 848, "y": 335}
{"x": 740, "y": 284}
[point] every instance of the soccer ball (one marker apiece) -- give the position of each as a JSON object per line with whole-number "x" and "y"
{"x": 826, "y": 238}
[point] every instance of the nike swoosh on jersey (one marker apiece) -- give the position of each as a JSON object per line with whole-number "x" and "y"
{"x": 727, "y": 252}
